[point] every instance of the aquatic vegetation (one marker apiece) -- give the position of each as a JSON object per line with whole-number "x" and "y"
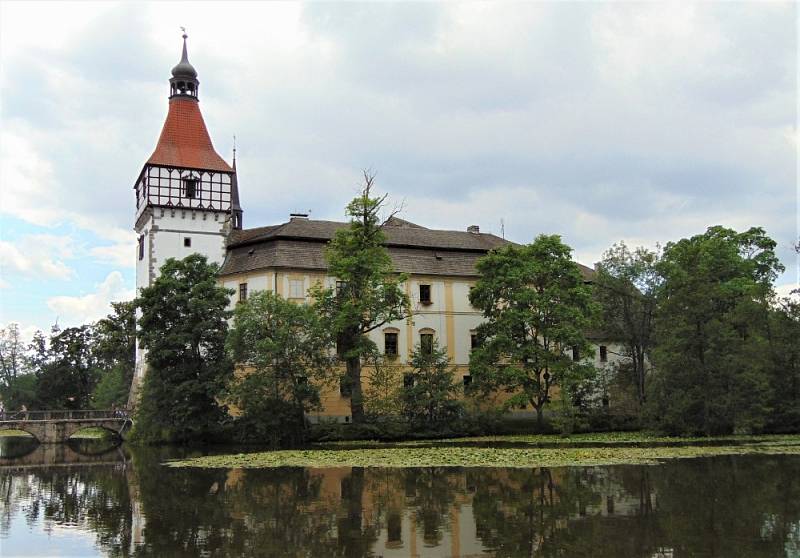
{"x": 461, "y": 456}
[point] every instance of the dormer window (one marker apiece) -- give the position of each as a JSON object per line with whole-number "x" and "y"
{"x": 190, "y": 187}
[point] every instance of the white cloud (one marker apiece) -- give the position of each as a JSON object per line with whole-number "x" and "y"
{"x": 118, "y": 255}
{"x": 73, "y": 310}
{"x": 41, "y": 256}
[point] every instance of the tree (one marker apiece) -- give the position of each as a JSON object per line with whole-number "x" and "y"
{"x": 12, "y": 354}
{"x": 183, "y": 326}
{"x": 537, "y": 308}
{"x": 431, "y": 398}
{"x": 68, "y": 377}
{"x": 15, "y": 380}
{"x": 115, "y": 350}
{"x": 382, "y": 392}
{"x": 285, "y": 351}
{"x": 367, "y": 293}
{"x": 626, "y": 283}
{"x": 712, "y": 312}
{"x": 783, "y": 333}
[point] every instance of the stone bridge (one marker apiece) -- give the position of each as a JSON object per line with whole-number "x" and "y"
{"x": 56, "y": 427}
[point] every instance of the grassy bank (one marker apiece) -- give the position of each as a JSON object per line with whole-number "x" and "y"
{"x": 564, "y": 452}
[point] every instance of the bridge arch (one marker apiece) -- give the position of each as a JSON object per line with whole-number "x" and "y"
{"x": 70, "y": 433}
{"x": 29, "y": 432}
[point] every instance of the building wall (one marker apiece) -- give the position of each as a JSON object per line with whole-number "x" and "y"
{"x": 449, "y": 316}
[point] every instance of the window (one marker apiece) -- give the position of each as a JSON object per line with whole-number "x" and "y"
{"x": 390, "y": 343}
{"x": 242, "y": 292}
{"x": 408, "y": 380}
{"x": 296, "y": 288}
{"x": 141, "y": 246}
{"x": 340, "y": 286}
{"x": 425, "y": 294}
{"x": 603, "y": 353}
{"x": 426, "y": 343}
{"x": 187, "y": 241}
{"x": 190, "y": 187}
{"x": 467, "y": 380}
{"x": 473, "y": 340}
{"x": 576, "y": 354}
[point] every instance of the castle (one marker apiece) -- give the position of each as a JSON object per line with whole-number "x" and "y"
{"x": 187, "y": 201}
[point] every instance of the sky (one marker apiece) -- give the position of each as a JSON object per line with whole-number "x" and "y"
{"x": 600, "y": 122}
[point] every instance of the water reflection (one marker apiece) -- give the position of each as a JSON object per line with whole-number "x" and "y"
{"x": 727, "y": 506}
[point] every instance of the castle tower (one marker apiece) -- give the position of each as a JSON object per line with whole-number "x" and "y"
{"x": 187, "y": 197}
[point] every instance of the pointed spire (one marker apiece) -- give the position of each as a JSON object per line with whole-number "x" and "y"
{"x": 236, "y": 207}
{"x": 184, "y": 69}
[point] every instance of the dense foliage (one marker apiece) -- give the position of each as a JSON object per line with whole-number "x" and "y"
{"x": 284, "y": 354}
{"x": 537, "y": 310}
{"x": 89, "y": 366}
{"x": 183, "y": 327}
{"x": 712, "y": 359}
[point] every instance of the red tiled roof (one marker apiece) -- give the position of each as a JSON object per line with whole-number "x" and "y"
{"x": 184, "y": 140}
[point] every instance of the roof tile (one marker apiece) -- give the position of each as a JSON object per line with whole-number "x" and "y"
{"x": 184, "y": 140}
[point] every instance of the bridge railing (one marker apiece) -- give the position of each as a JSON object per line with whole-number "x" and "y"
{"x": 72, "y": 414}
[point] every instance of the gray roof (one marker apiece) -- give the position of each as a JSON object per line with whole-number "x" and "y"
{"x": 300, "y": 244}
{"x": 398, "y": 233}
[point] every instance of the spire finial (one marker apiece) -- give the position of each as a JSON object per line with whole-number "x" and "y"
{"x": 184, "y": 70}
{"x": 184, "y": 56}
{"x": 234, "y": 152}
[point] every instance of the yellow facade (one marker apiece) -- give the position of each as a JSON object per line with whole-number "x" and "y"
{"x": 448, "y": 316}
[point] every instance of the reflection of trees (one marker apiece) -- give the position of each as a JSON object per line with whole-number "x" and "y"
{"x": 728, "y": 506}
{"x": 94, "y": 498}
{"x": 270, "y": 512}
{"x": 560, "y": 512}
{"x": 431, "y": 491}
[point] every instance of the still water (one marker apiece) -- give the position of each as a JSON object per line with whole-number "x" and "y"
{"x": 95, "y": 500}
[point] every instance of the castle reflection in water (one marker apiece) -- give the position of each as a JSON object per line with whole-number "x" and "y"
{"x": 134, "y": 506}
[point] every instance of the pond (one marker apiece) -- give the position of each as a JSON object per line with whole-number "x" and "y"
{"x": 94, "y": 499}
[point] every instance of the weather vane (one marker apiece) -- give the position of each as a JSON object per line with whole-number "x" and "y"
{"x": 183, "y": 30}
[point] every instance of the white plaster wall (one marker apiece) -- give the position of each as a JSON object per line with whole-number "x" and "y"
{"x": 464, "y": 324}
{"x": 206, "y": 230}
{"x": 461, "y": 297}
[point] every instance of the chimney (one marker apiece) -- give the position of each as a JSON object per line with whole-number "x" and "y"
{"x": 298, "y": 216}
{"x": 474, "y": 229}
